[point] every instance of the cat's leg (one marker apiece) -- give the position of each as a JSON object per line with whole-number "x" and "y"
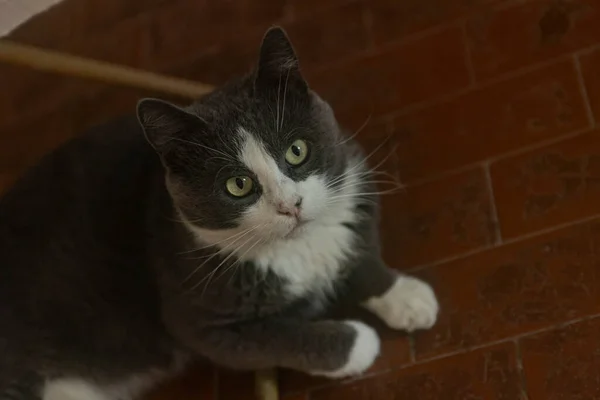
{"x": 326, "y": 348}
{"x": 401, "y": 301}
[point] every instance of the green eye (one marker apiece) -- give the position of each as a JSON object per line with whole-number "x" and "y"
{"x": 239, "y": 186}
{"x": 296, "y": 154}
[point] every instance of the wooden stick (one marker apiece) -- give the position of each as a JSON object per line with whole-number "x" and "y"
{"x": 53, "y": 61}
{"x": 267, "y": 385}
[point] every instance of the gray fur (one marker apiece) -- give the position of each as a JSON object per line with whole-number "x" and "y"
{"x": 95, "y": 256}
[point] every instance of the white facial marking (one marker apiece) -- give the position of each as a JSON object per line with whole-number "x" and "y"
{"x": 409, "y": 304}
{"x": 278, "y": 189}
{"x": 309, "y": 251}
{"x": 364, "y": 351}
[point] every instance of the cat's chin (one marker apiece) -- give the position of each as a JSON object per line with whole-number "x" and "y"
{"x": 298, "y": 229}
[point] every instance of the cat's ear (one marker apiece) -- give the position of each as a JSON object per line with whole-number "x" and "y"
{"x": 165, "y": 124}
{"x": 278, "y": 63}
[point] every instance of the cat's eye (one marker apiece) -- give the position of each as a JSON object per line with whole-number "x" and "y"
{"x": 239, "y": 186}
{"x": 297, "y": 153}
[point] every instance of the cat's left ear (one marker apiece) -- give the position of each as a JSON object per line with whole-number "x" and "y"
{"x": 278, "y": 63}
{"x": 166, "y": 124}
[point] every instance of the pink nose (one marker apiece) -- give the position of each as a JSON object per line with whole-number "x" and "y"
{"x": 291, "y": 210}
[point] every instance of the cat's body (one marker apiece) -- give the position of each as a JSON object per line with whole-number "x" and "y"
{"x": 74, "y": 279}
{"x": 118, "y": 266}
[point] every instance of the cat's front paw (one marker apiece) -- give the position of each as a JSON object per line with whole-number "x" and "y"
{"x": 361, "y": 355}
{"x": 410, "y": 304}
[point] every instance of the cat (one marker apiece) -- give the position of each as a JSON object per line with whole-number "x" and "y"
{"x": 225, "y": 230}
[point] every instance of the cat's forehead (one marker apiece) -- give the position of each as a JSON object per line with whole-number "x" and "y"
{"x": 253, "y": 135}
{"x": 255, "y": 156}
{"x": 269, "y": 116}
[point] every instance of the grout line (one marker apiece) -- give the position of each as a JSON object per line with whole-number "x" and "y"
{"x": 367, "y": 21}
{"x": 498, "y": 79}
{"x": 583, "y": 90}
{"x": 501, "y": 341}
{"x": 436, "y": 101}
{"x": 552, "y": 229}
{"x": 539, "y": 145}
{"x": 413, "y": 37}
{"x": 468, "y": 56}
{"x": 440, "y": 175}
{"x": 345, "y": 381}
{"x": 521, "y": 370}
{"x": 587, "y": 50}
{"x": 385, "y": 47}
{"x": 506, "y": 242}
{"x": 416, "y": 107}
{"x": 482, "y": 85}
{"x": 496, "y": 158}
{"x": 458, "y": 352}
{"x": 493, "y": 209}
{"x": 447, "y": 260}
{"x": 504, "y": 340}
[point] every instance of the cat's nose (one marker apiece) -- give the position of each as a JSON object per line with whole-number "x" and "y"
{"x": 290, "y": 210}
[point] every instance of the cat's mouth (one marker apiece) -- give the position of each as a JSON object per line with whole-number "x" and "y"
{"x": 296, "y": 229}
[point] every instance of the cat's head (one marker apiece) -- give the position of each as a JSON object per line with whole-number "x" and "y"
{"x": 258, "y": 158}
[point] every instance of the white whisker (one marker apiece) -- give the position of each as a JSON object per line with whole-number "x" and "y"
{"x": 277, "y": 104}
{"x": 220, "y": 241}
{"x": 284, "y": 95}
{"x": 355, "y": 134}
{"x": 364, "y": 183}
{"x": 373, "y": 152}
{"x": 363, "y": 174}
{"x": 228, "y": 156}
{"x": 218, "y": 252}
{"x": 209, "y": 276}
{"x": 350, "y": 195}
{"x": 237, "y": 262}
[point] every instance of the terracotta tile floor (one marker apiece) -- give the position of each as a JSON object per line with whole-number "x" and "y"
{"x": 491, "y": 108}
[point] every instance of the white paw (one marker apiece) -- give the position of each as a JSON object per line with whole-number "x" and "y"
{"x": 362, "y": 355}
{"x": 409, "y": 304}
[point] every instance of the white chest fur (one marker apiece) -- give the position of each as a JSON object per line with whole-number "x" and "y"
{"x": 313, "y": 259}
{"x": 310, "y": 262}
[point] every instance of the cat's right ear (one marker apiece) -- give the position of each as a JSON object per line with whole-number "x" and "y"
{"x": 165, "y": 124}
{"x": 278, "y": 63}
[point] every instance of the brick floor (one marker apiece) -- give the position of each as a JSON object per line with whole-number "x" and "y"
{"x": 490, "y": 107}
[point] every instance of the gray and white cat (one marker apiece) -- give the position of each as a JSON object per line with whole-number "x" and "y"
{"x": 259, "y": 213}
